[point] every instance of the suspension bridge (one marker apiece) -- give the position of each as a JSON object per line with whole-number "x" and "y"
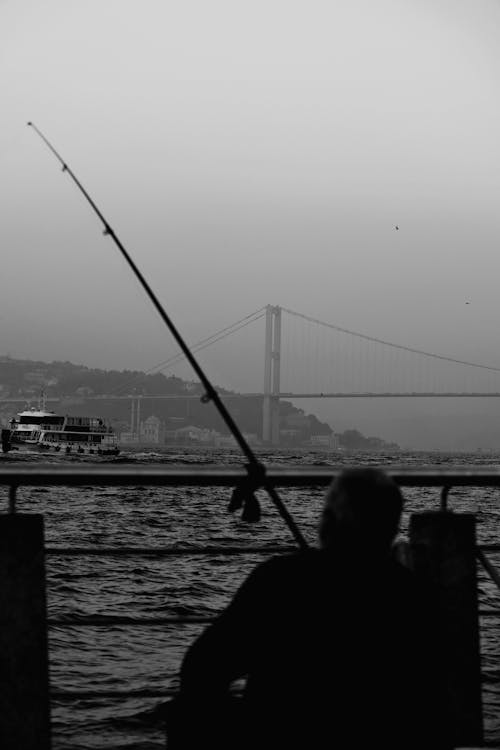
{"x": 306, "y": 358}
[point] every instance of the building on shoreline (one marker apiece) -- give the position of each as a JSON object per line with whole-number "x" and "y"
{"x": 151, "y": 431}
{"x": 193, "y": 435}
{"x": 330, "y": 442}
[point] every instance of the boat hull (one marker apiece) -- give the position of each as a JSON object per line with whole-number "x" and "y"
{"x": 10, "y": 443}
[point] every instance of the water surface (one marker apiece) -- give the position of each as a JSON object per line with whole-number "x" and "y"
{"x": 143, "y": 661}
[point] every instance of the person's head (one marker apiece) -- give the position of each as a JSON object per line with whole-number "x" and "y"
{"x": 362, "y": 507}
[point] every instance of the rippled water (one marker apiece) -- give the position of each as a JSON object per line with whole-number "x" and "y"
{"x": 144, "y": 660}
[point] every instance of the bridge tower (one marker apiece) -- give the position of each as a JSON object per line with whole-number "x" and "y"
{"x": 272, "y": 354}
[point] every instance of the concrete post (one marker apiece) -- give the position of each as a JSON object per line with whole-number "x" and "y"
{"x": 24, "y": 673}
{"x": 443, "y": 551}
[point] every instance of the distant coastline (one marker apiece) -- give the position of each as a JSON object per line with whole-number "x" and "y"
{"x": 154, "y": 410}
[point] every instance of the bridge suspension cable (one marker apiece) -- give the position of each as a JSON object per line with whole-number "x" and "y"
{"x": 209, "y": 340}
{"x": 202, "y": 344}
{"x": 401, "y": 347}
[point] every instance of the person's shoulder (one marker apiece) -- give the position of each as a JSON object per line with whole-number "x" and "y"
{"x": 289, "y": 564}
{"x": 421, "y": 590}
{"x": 300, "y": 558}
{"x": 402, "y": 574}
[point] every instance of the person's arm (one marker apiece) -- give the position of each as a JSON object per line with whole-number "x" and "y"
{"x": 223, "y": 652}
{"x": 203, "y": 714}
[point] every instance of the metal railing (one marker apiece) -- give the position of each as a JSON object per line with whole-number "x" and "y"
{"x": 15, "y": 476}
{"x": 34, "y": 474}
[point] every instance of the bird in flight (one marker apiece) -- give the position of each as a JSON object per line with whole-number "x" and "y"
{"x": 467, "y": 303}
{"x": 396, "y": 227}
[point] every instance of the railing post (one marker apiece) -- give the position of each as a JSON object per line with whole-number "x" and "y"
{"x": 443, "y": 551}
{"x": 24, "y": 674}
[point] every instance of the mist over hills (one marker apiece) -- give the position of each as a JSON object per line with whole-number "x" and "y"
{"x": 428, "y": 424}
{"x": 80, "y": 390}
{"x": 87, "y": 391}
{"x": 440, "y": 424}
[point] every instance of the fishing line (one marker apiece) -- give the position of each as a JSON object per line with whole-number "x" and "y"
{"x": 256, "y": 471}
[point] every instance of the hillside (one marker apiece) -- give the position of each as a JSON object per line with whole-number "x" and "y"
{"x": 82, "y": 390}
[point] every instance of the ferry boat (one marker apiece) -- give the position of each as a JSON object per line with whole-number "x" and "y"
{"x": 38, "y": 429}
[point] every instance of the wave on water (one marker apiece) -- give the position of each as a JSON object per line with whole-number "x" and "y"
{"x": 112, "y": 679}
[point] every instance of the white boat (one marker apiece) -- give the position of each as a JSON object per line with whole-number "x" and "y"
{"x": 38, "y": 429}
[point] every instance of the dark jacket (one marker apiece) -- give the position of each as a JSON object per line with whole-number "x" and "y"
{"x": 338, "y": 652}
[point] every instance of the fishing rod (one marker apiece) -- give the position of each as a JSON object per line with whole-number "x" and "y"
{"x": 242, "y": 495}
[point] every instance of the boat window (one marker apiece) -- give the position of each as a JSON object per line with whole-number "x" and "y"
{"x": 78, "y": 421}
{"x": 73, "y": 437}
{"x": 46, "y": 419}
{"x": 53, "y": 420}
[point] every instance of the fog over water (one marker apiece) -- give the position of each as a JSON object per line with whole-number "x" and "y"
{"x": 255, "y": 153}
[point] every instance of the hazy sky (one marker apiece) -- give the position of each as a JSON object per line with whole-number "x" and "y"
{"x": 249, "y": 153}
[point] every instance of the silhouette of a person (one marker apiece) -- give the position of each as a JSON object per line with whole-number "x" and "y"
{"x": 338, "y": 644}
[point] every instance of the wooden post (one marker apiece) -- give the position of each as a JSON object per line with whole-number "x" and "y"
{"x": 443, "y": 551}
{"x": 24, "y": 674}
